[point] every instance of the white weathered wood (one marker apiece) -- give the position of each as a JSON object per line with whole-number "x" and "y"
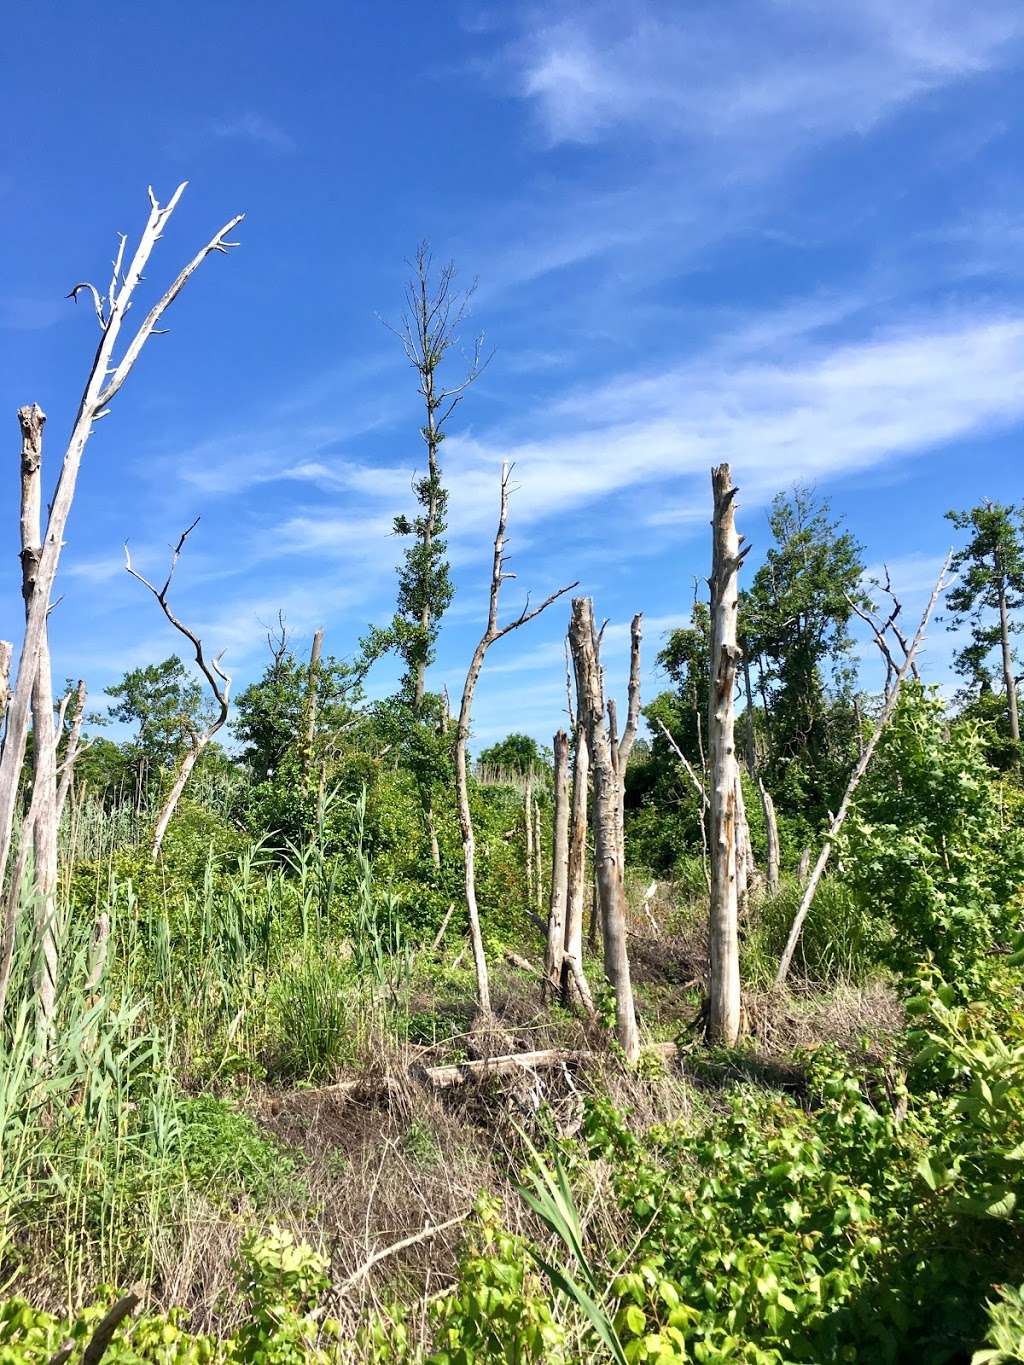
{"x": 492, "y": 633}
{"x": 724, "y": 999}
{"x": 559, "y": 869}
{"x": 43, "y": 831}
{"x": 607, "y": 865}
{"x": 624, "y": 748}
{"x": 892, "y": 697}
{"x": 576, "y": 880}
{"x": 104, "y": 380}
{"x": 219, "y": 684}
{"x": 67, "y": 767}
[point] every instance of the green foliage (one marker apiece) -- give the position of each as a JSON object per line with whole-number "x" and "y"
{"x": 269, "y": 713}
{"x": 794, "y": 623}
{"x": 931, "y": 851}
{"x": 516, "y": 753}
{"x": 990, "y": 569}
{"x": 280, "y": 1279}
{"x": 164, "y": 703}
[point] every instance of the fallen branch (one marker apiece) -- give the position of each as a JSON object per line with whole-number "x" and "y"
{"x": 103, "y": 1335}
{"x": 417, "y": 1237}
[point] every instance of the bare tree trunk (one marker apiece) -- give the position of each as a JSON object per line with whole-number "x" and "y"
{"x": 724, "y": 1002}
{"x": 625, "y": 745}
{"x": 219, "y": 684}
{"x": 43, "y": 832}
{"x": 553, "y": 958}
{"x": 838, "y": 820}
{"x": 492, "y": 632}
{"x": 744, "y": 853}
{"x": 6, "y": 655}
{"x": 309, "y": 719}
{"x": 771, "y": 829}
{"x": 1009, "y": 680}
{"x": 67, "y": 767}
{"x": 528, "y": 829}
{"x": 105, "y": 380}
{"x": 576, "y": 884}
{"x": 538, "y": 855}
{"x": 608, "y": 869}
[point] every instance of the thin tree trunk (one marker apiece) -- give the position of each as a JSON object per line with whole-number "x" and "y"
{"x": 851, "y": 788}
{"x": 310, "y": 707}
{"x": 724, "y": 1002}
{"x": 771, "y": 829}
{"x": 1009, "y": 680}
{"x": 538, "y": 855}
{"x": 67, "y": 767}
{"x": 576, "y": 883}
{"x": 187, "y": 763}
{"x": 6, "y": 655}
{"x": 43, "y": 832}
{"x": 528, "y": 829}
{"x": 744, "y": 855}
{"x": 625, "y": 745}
{"x": 608, "y": 869}
{"x": 491, "y": 633}
{"x": 553, "y": 958}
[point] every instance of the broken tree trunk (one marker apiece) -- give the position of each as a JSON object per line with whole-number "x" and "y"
{"x": 43, "y": 831}
{"x": 492, "y": 632}
{"x": 310, "y": 707}
{"x": 724, "y": 1002}
{"x": 607, "y": 865}
{"x": 528, "y": 832}
{"x": 892, "y": 697}
{"x": 559, "y": 869}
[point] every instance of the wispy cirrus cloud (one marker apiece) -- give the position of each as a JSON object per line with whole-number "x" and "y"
{"x": 758, "y": 72}
{"x": 253, "y": 127}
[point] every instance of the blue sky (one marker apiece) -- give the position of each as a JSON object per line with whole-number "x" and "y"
{"x": 785, "y": 233}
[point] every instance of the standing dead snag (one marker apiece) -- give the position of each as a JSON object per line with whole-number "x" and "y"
{"x": 559, "y": 869}
{"x": 219, "y": 681}
{"x": 624, "y": 747}
{"x": 493, "y": 632}
{"x": 583, "y": 639}
{"x": 576, "y": 884}
{"x": 891, "y": 698}
{"x": 105, "y": 380}
{"x": 43, "y": 830}
{"x": 724, "y": 1002}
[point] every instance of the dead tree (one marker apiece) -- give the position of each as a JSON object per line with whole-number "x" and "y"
{"x": 492, "y": 632}
{"x": 724, "y": 1001}
{"x": 6, "y": 655}
{"x": 219, "y": 683}
{"x": 72, "y": 749}
{"x": 576, "y": 864}
{"x": 583, "y": 639}
{"x": 105, "y": 379}
{"x": 559, "y": 869}
{"x": 882, "y": 627}
{"x": 888, "y": 710}
{"x": 43, "y": 830}
{"x": 310, "y": 707}
{"x": 531, "y": 876}
{"x": 702, "y": 794}
{"x": 624, "y": 748}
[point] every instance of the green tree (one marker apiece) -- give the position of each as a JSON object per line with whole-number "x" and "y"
{"x": 516, "y": 753}
{"x": 164, "y": 703}
{"x": 270, "y": 712}
{"x": 429, "y": 328}
{"x": 990, "y": 589}
{"x": 794, "y": 627}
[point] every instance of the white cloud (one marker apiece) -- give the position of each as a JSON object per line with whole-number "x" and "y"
{"x": 769, "y": 73}
{"x": 253, "y": 127}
